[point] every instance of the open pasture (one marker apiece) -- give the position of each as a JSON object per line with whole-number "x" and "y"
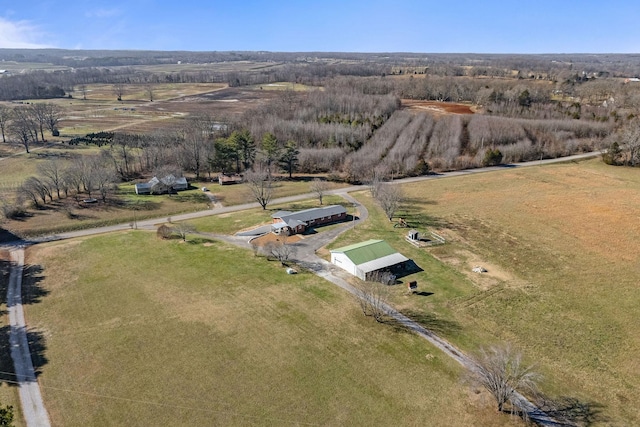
{"x": 101, "y": 111}
{"x": 202, "y": 333}
{"x": 172, "y": 103}
{"x": 561, "y": 246}
{"x": 218, "y": 67}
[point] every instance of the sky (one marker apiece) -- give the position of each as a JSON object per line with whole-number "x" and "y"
{"x": 421, "y": 26}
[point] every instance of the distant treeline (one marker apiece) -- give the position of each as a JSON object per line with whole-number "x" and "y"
{"x": 119, "y": 67}
{"x": 621, "y": 65}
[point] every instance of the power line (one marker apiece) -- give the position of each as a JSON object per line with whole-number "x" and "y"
{"x": 159, "y": 404}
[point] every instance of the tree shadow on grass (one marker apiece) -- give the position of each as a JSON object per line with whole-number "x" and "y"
{"x": 428, "y": 321}
{"x": 7, "y": 372}
{"x": 32, "y": 291}
{"x": 5, "y": 268}
{"x": 570, "y": 411}
{"x": 8, "y": 236}
{"x": 413, "y": 212}
{"x": 37, "y": 348}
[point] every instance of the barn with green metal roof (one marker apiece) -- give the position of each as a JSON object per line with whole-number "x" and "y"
{"x": 365, "y": 258}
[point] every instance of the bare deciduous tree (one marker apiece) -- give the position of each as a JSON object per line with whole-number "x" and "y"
{"x": 197, "y": 143}
{"x": 630, "y": 143}
{"x": 164, "y": 232}
{"x": 118, "y": 90}
{"x": 389, "y": 196}
{"x": 261, "y": 187}
{"x": 184, "y": 228}
{"x": 83, "y": 90}
{"x": 501, "y": 372}
{"x": 52, "y": 114}
{"x": 5, "y": 117}
{"x": 104, "y": 179}
{"x": 33, "y": 188}
{"x": 149, "y": 90}
{"x": 23, "y": 127}
{"x": 38, "y": 114}
{"x": 52, "y": 172}
{"x": 373, "y": 296}
{"x": 280, "y": 250}
{"x": 319, "y": 187}
{"x": 72, "y": 176}
{"x": 375, "y": 182}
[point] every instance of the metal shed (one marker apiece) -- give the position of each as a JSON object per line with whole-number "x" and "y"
{"x": 362, "y": 259}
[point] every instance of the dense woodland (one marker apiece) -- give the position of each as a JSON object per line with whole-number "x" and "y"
{"x": 351, "y": 123}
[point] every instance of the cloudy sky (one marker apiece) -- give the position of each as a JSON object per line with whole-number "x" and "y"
{"x": 489, "y": 26}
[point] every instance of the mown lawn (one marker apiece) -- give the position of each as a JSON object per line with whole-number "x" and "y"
{"x": 140, "y": 331}
{"x": 561, "y": 246}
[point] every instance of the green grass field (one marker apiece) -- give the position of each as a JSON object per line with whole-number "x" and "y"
{"x": 151, "y": 332}
{"x": 561, "y": 246}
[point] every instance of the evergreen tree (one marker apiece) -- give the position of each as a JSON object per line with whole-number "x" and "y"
{"x": 289, "y": 158}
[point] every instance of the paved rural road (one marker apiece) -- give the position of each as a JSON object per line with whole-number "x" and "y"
{"x": 152, "y": 223}
{"x": 35, "y": 413}
{"x": 33, "y": 408}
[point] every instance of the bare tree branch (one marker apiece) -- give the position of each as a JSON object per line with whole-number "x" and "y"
{"x": 320, "y": 187}
{"x": 501, "y": 372}
{"x": 261, "y": 187}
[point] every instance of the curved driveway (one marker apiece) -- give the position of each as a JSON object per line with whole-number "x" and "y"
{"x": 31, "y": 399}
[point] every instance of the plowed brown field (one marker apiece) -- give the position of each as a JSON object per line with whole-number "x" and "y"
{"x": 437, "y": 107}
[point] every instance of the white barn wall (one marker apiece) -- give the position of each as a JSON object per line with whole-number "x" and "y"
{"x": 342, "y": 261}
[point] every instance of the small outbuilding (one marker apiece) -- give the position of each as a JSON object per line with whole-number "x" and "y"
{"x": 366, "y": 258}
{"x": 229, "y": 179}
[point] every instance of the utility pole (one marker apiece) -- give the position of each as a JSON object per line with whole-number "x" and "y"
{"x": 354, "y": 214}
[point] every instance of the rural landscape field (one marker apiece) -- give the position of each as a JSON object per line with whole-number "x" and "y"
{"x": 161, "y": 307}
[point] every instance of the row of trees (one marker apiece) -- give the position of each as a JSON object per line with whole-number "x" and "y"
{"x": 57, "y": 179}
{"x": 411, "y": 144}
{"x": 199, "y": 147}
{"x": 26, "y": 123}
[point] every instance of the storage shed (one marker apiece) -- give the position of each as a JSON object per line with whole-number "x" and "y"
{"x": 365, "y": 258}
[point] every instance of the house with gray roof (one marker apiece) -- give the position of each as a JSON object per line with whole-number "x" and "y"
{"x": 286, "y": 222}
{"x": 163, "y": 185}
